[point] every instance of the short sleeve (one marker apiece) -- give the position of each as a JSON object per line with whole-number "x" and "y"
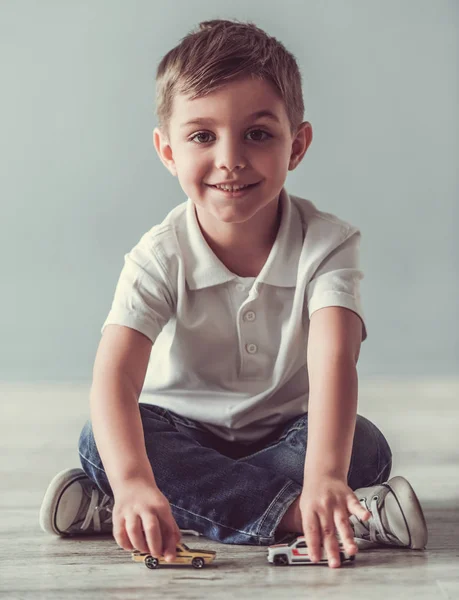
{"x": 336, "y": 282}
{"x": 143, "y": 298}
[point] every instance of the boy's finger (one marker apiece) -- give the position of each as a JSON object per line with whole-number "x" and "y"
{"x": 357, "y": 509}
{"x": 135, "y": 532}
{"x": 122, "y": 539}
{"x": 330, "y": 540}
{"x": 344, "y": 532}
{"x": 153, "y": 537}
{"x": 312, "y": 536}
{"x": 178, "y": 533}
{"x": 170, "y": 552}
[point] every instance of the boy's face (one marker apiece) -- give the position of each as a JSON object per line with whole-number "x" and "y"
{"x": 232, "y": 146}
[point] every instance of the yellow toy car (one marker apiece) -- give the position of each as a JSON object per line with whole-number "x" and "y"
{"x": 185, "y": 556}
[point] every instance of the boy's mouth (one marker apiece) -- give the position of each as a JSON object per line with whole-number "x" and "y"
{"x": 246, "y": 187}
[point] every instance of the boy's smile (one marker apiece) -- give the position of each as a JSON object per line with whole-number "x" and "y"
{"x": 218, "y": 139}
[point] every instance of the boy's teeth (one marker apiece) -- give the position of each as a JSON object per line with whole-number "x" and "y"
{"x": 231, "y": 189}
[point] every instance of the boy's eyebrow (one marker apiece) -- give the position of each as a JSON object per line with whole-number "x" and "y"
{"x": 256, "y": 115}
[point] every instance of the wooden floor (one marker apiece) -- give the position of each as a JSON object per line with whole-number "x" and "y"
{"x": 39, "y": 429}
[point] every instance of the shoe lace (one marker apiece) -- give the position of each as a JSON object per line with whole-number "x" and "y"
{"x": 373, "y": 529}
{"x": 95, "y": 511}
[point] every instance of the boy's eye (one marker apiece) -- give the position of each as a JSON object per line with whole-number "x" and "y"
{"x": 201, "y": 133}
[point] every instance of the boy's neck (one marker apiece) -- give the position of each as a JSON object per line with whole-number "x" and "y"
{"x": 246, "y": 253}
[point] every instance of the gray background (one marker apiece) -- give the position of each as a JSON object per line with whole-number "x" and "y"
{"x": 81, "y": 181}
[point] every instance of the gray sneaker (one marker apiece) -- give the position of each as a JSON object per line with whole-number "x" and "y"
{"x": 397, "y": 518}
{"x": 74, "y": 505}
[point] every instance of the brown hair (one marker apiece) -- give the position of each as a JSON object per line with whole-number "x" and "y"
{"x": 219, "y": 51}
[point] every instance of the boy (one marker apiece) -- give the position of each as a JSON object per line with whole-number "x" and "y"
{"x": 233, "y": 338}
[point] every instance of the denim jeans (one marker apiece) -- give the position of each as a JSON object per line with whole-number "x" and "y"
{"x": 235, "y": 492}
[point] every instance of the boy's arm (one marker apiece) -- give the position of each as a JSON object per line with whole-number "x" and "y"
{"x": 334, "y": 341}
{"x": 119, "y": 372}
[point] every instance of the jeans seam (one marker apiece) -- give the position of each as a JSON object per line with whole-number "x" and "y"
{"x": 273, "y": 445}
{"x": 379, "y": 474}
{"x": 92, "y": 464}
{"x": 351, "y": 462}
{"x": 378, "y": 450}
{"x": 173, "y": 418}
{"x": 378, "y": 442}
{"x": 267, "y": 511}
{"x": 190, "y": 426}
{"x": 189, "y": 512}
{"x": 163, "y": 414}
{"x": 259, "y": 451}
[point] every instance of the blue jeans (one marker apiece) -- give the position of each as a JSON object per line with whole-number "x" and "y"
{"x": 235, "y": 492}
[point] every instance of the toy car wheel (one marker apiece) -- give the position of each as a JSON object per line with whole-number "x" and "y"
{"x": 281, "y": 560}
{"x": 197, "y": 562}
{"x": 151, "y": 562}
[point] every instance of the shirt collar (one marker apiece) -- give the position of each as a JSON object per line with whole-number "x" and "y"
{"x": 204, "y": 269}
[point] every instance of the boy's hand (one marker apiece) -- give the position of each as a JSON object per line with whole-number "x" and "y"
{"x": 142, "y": 520}
{"x": 326, "y": 502}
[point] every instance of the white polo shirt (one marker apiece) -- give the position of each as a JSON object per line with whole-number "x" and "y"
{"x": 230, "y": 351}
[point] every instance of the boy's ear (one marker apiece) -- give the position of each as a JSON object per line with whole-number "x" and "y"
{"x": 164, "y": 151}
{"x": 300, "y": 144}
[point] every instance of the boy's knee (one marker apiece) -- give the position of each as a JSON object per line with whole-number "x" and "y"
{"x": 90, "y": 460}
{"x": 372, "y": 457}
{"x": 86, "y": 438}
{"x": 385, "y": 459}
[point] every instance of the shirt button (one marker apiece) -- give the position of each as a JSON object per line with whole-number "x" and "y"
{"x": 251, "y": 348}
{"x": 240, "y": 287}
{"x": 250, "y": 316}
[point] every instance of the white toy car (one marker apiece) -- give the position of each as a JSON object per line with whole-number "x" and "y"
{"x": 295, "y": 552}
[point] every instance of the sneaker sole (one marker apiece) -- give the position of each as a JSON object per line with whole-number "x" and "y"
{"x": 56, "y": 488}
{"x": 412, "y": 511}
